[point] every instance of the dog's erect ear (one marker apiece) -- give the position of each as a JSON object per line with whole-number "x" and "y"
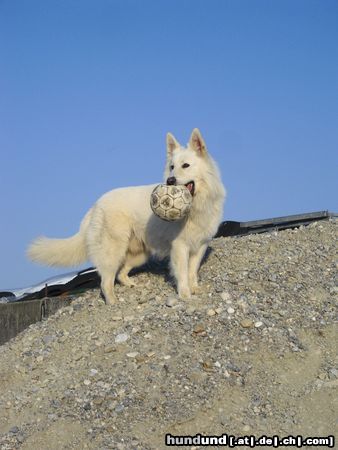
{"x": 172, "y": 144}
{"x": 197, "y": 142}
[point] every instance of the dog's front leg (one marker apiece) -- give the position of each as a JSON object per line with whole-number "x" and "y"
{"x": 179, "y": 261}
{"x": 194, "y": 265}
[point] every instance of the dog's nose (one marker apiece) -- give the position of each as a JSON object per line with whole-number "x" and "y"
{"x": 171, "y": 181}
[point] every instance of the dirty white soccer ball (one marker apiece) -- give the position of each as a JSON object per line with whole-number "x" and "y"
{"x": 171, "y": 202}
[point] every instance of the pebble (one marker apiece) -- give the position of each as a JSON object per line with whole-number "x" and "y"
{"x": 109, "y": 348}
{"x": 246, "y": 323}
{"x": 197, "y": 377}
{"x": 20, "y": 437}
{"x": 171, "y": 301}
{"x": 211, "y": 312}
{"x": 199, "y": 328}
{"x": 132, "y": 354}
{"x": 116, "y": 318}
{"x": 128, "y": 318}
{"x": 119, "y": 408}
{"x": 333, "y": 373}
{"x": 190, "y": 310}
{"x": 223, "y": 419}
{"x": 230, "y": 310}
{"x": 120, "y": 338}
{"x": 48, "y": 339}
{"x": 207, "y": 365}
{"x": 258, "y": 324}
{"x": 225, "y": 296}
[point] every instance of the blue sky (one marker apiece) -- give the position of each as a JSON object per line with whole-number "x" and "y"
{"x": 89, "y": 89}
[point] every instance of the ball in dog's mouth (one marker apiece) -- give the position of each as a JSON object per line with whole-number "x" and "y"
{"x": 191, "y": 187}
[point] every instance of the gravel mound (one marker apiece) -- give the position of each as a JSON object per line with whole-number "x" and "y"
{"x": 254, "y": 353}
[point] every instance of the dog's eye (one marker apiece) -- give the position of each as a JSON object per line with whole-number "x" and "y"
{"x": 171, "y": 167}
{"x": 185, "y": 166}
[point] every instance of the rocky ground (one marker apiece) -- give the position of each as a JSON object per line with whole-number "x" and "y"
{"x": 254, "y": 354}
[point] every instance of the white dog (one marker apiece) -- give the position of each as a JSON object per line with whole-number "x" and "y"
{"x": 120, "y": 231}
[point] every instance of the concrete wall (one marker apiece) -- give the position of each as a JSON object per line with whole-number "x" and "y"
{"x": 16, "y": 316}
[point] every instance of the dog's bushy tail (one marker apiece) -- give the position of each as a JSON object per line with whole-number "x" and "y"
{"x": 60, "y": 252}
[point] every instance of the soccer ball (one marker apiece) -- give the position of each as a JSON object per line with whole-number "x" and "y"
{"x": 170, "y": 202}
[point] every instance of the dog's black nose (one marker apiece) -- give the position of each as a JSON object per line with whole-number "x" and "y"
{"x": 171, "y": 181}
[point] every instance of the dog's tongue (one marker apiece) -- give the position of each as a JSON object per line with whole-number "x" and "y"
{"x": 190, "y": 186}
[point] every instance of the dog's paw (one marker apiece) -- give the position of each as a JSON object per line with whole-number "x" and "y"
{"x": 184, "y": 293}
{"x": 108, "y": 299}
{"x": 196, "y": 289}
{"x": 126, "y": 281}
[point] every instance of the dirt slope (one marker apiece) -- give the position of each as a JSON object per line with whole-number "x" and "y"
{"x": 255, "y": 353}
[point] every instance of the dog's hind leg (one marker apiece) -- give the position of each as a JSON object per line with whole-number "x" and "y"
{"x": 131, "y": 262}
{"x": 108, "y": 256}
{"x": 135, "y": 257}
{"x": 107, "y": 287}
{"x": 108, "y": 269}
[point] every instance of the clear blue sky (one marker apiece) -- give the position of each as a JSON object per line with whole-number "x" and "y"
{"x": 89, "y": 89}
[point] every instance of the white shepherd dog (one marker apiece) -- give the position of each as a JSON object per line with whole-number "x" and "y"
{"x": 120, "y": 231}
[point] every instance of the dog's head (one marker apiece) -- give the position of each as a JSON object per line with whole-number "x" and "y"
{"x": 188, "y": 166}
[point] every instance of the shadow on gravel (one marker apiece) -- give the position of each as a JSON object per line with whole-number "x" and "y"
{"x": 161, "y": 267}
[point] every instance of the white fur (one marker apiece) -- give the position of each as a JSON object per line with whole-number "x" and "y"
{"x": 120, "y": 231}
